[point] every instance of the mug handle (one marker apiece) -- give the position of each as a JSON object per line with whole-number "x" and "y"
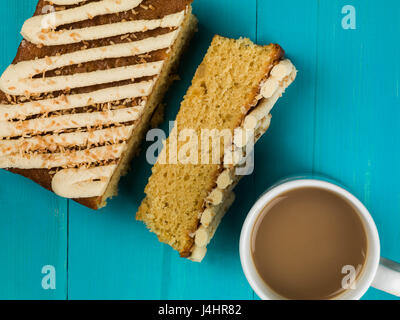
{"x": 388, "y": 277}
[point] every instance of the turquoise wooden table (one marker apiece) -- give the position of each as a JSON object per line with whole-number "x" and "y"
{"x": 340, "y": 118}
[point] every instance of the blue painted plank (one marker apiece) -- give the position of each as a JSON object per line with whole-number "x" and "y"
{"x": 287, "y": 147}
{"x": 357, "y": 111}
{"x": 33, "y": 222}
{"x": 113, "y": 257}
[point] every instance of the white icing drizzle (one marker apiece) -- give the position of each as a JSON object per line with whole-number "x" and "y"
{"x": 103, "y": 31}
{"x": 82, "y": 182}
{"x": 79, "y": 80}
{"x": 33, "y": 28}
{"x": 23, "y": 71}
{"x": 32, "y": 152}
{"x": 64, "y": 140}
{"x": 64, "y": 159}
{"x": 21, "y": 111}
{"x": 69, "y": 121}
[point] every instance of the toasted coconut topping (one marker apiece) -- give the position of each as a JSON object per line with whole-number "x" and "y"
{"x": 80, "y": 136}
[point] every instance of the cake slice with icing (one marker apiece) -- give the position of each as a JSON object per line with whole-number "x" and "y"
{"x": 79, "y": 96}
{"x": 232, "y": 93}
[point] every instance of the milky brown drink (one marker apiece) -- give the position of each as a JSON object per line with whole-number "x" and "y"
{"x": 309, "y": 243}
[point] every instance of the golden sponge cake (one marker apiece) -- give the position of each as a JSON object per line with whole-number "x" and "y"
{"x": 233, "y": 91}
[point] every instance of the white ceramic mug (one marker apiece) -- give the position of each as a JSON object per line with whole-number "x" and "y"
{"x": 381, "y": 273}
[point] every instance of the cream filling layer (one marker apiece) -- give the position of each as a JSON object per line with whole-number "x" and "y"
{"x": 15, "y": 75}
{"x": 204, "y": 234}
{"x": 36, "y": 26}
{"x": 258, "y": 120}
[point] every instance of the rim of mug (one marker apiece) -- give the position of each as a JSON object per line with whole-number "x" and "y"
{"x": 369, "y": 269}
